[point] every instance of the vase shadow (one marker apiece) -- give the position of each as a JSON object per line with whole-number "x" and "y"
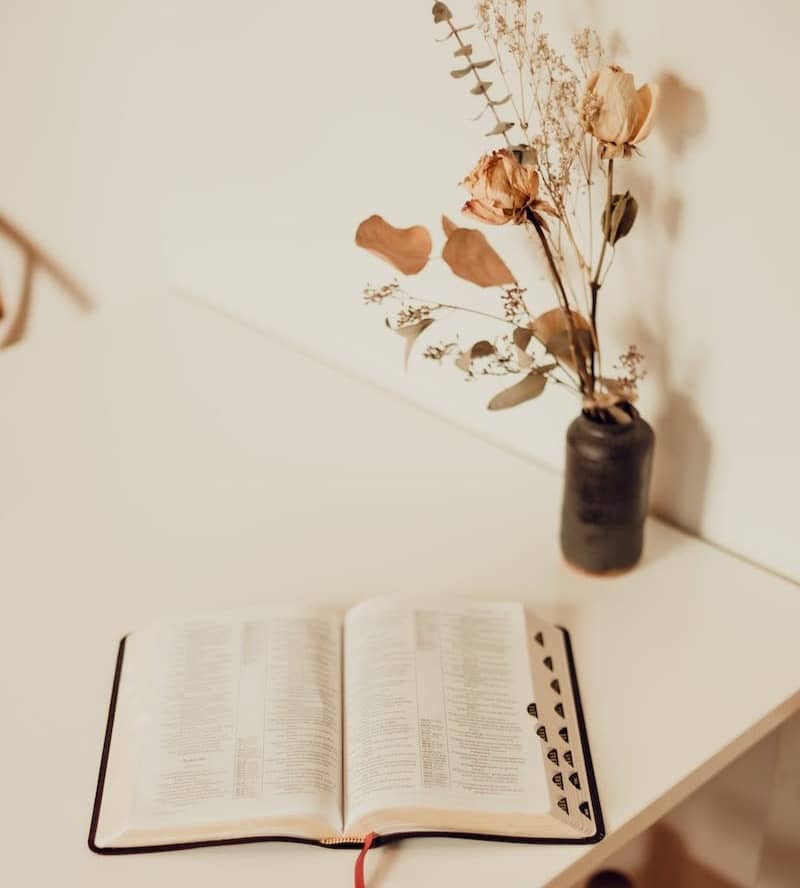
{"x": 684, "y": 447}
{"x": 682, "y": 463}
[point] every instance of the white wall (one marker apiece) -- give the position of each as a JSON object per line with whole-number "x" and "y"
{"x": 231, "y": 148}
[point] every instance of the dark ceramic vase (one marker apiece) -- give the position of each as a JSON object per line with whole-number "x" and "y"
{"x": 606, "y": 489}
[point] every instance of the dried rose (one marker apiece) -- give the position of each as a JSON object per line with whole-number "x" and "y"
{"x": 503, "y": 190}
{"x": 623, "y": 115}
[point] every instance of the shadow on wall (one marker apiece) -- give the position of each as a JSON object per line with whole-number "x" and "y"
{"x": 683, "y": 444}
{"x": 14, "y": 316}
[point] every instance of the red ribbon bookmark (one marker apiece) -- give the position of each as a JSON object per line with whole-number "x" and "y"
{"x": 359, "y": 872}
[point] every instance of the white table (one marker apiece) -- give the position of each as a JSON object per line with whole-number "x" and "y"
{"x": 165, "y": 459}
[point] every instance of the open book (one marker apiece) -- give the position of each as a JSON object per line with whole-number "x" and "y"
{"x": 300, "y": 724}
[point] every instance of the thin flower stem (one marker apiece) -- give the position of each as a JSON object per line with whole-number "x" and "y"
{"x": 563, "y": 294}
{"x": 589, "y": 163}
{"x": 596, "y": 284}
{"x": 475, "y": 311}
{"x": 570, "y": 383}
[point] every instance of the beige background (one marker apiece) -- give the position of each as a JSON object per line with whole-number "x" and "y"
{"x": 231, "y": 148}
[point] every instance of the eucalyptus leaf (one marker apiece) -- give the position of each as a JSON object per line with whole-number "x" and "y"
{"x": 551, "y": 329}
{"x": 470, "y": 256}
{"x": 481, "y": 87}
{"x": 525, "y": 390}
{"x": 407, "y": 249}
{"x": 482, "y": 349}
{"x": 411, "y": 333}
{"x": 523, "y": 358}
{"x": 453, "y": 32}
{"x": 496, "y": 103}
{"x": 464, "y": 362}
{"x": 559, "y": 345}
{"x": 460, "y": 72}
{"x": 484, "y": 64}
{"x": 465, "y": 50}
{"x": 522, "y": 337}
{"x": 441, "y": 13}
{"x": 499, "y": 129}
{"x": 448, "y": 226}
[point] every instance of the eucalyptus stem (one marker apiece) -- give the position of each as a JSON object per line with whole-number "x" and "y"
{"x": 454, "y": 32}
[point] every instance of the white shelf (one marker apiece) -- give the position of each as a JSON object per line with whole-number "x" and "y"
{"x": 165, "y": 458}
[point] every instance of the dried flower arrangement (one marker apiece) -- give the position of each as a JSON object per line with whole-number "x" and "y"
{"x": 570, "y": 125}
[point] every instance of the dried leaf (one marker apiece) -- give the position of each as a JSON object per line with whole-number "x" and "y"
{"x": 525, "y": 390}
{"x": 482, "y": 349}
{"x": 448, "y": 226}
{"x": 464, "y": 362}
{"x": 481, "y": 87}
{"x": 499, "y": 129}
{"x": 554, "y": 321}
{"x": 497, "y": 103}
{"x": 522, "y": 337}
{"x": 465, "y": 50}
{"x": 524, "y": 360}
{"x": 618, "y": 216}
{"x": 559, "y": 346}
{"x": 441, "y": 13}
{"x": 407, "y": 249}
{"x": 411, "y": 334}
{"x": 454, "y": 31}
{"x": 483, "y": 64}
{"x": 470, "y": 257}
{"x": 552, "y": 331}
{"x": 460, "y": 72}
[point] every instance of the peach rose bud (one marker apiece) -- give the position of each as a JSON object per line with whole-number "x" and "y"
{"x": 622, "y": 116}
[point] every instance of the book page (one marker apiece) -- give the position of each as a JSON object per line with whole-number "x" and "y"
{"x": 435, "y": 710}
{"x": 242, "y": 721}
